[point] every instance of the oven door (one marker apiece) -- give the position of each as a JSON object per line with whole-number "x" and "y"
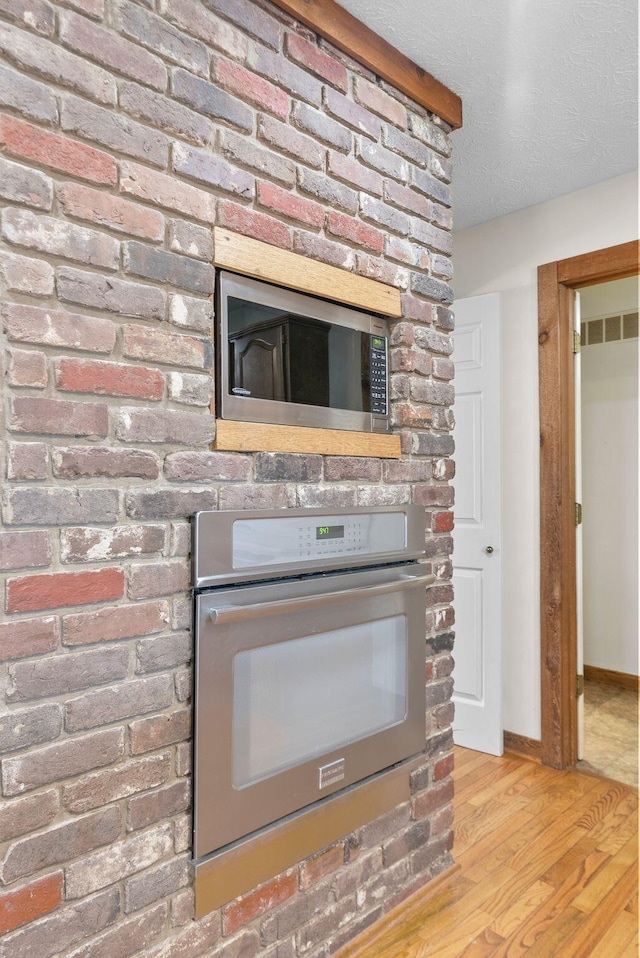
{"x": 302, "y": 688}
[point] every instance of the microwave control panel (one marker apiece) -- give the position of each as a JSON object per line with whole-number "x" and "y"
{"x": 379, "y": 375}
{"x": 265, "y": 542}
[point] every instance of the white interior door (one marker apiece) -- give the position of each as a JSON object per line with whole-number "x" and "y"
{"x": 477, "y": 547}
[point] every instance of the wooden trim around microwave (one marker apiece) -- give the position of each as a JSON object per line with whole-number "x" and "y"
{"x": 251, "y": 257}
{"x": 266, "y": 437}
{"x": 335, "y": 24}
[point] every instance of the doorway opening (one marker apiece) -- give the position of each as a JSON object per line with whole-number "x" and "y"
{"x": 558, "y": 605}
{"x": 607, "y": 433}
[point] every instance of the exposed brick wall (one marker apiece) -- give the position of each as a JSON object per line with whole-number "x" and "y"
{"x": 127, "y": 129}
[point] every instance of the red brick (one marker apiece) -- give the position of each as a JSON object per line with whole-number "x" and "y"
{"x": 158, "y": 731}
{"x": 69, "y": 840}
{"x": 158, "y": 883}
{"x": 158, "y": 579}
{"x": 157, "y": 34}
{"x": 33, "y": 592}
{"x": 136, "y": 424}
{"x": 375, "y": 99}
{"x": 124, "y": 858}
{"x": 206, "y": 466}
{"x": 108, "y": 379}
{"x": 83, "y": 461}
{"x": 252, "y": 88}
{"x": 157, "y": 806}
{"x": 142, "y": 342}
{"x": 288, "y": 204}
{"x": 408, "y": 199}
{"x": 354, "y": 231}
{"x": 351, "y": 113}
{"x": 35, "y": 15}
{"x": 28, "y": 814}
{"x": 313, "y": 870}
{"x": 257, "y": 225}
{"x": 311, "y": 58}
{"x": 191, "y": 313}
{"x": 297, "y": 83}
{"x": 50, "y": 327}
{"x": 27, "y": 368}
{"x": 267, "y": 164}
{"x": 26, "y": 275}
{"x": 30, "y": 902}
{"x": 18, "y": 640}
{"x": 355, "y": 174}
{"x": 167, "y": 191}
{"x": 57, "y": 237}
{"x": 62, "y": 504}
{"x": 432, "y": 799}
{"x": 285, "y": 139}
{"x": 190, "y": 389}
{"x": 263, "y": 899}
{"x": 442, "y": 522}
{"x": 103, "y": 545}
{"x": 92, "y": 8}
{"x": 405, "y": 360}
{"x": 336, "y": 254}
{"x": 375, "y": 268}
{"x": 58, "y": 933}
{"x": 57, "y": 152}
{"x": 117, "y": 622}
{"x": 111, "y": 50}
{"x": 115, "y": 212}
{"x": 401, "y": 250}
{"x": 20, "y": 549}
{"x": 443, "y": 767}
{"x": 200, "y": 22}
{"x": 54, "y": 63}
{"x": 56, "y": 417}
{"x": 109, "y": 785}
{"x": 18, "y": 184}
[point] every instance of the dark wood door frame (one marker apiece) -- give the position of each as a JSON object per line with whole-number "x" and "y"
{"x": 556, "y": 283}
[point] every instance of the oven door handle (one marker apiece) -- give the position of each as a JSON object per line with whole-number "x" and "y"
{"x": 234, "y": 613}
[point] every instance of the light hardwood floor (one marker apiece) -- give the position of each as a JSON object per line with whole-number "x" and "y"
{"x": 547, "y": 866}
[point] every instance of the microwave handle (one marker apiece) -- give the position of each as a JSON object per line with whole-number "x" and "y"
{"x": 234, "y": 613}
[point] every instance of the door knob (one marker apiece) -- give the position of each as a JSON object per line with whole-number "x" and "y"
{"x": 489, "y": 550}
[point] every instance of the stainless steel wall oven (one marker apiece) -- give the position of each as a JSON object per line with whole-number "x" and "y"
{"x": 310, "y": 650}
{"x": 289, "y": 358}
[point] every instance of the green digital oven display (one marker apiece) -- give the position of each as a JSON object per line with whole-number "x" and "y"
{"x": 329, "y": 532}
{"x": 377, "y": 342}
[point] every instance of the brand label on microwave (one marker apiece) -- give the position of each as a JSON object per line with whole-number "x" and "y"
{"x": 331, "y": 774}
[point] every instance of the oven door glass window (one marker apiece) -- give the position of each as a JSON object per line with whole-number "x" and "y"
{"x": 298, "y": 699}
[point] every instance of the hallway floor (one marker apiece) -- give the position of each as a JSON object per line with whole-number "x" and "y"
{"x": 611, "y": 732}
{"x": 547, "y": 867}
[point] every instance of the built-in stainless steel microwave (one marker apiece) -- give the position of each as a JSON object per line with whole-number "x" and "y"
{"x": 289, "y": 358}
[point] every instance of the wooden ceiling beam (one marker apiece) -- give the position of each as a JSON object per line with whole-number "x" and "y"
{"x": 335, "y": 24}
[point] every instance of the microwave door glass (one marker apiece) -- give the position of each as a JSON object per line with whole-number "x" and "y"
{"x": 278, "y": 355}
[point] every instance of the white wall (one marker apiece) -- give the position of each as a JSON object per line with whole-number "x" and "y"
{"x": 610, "y": 505}
{"x": 502, "y": 256}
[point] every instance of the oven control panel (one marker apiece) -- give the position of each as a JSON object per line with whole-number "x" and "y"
{"x": 265, "y": 542}
{"x": 244, "y": 546}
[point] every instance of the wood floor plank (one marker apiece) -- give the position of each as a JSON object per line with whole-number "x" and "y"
{"x": 547, "y": 869}
{"x": 452, "y": 941}
{"x": 618, "y": 938}
{"x": 604, "y": 806}
{"x": 607, "y": 877}
{"x": 620, "y": 824}
{"x": 544, "y": 941}
{"x": 599, "y": 921}
{"x": 507, "y": 922}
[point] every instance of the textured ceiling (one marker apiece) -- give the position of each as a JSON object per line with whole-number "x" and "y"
{"x": 548, "y": 87}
